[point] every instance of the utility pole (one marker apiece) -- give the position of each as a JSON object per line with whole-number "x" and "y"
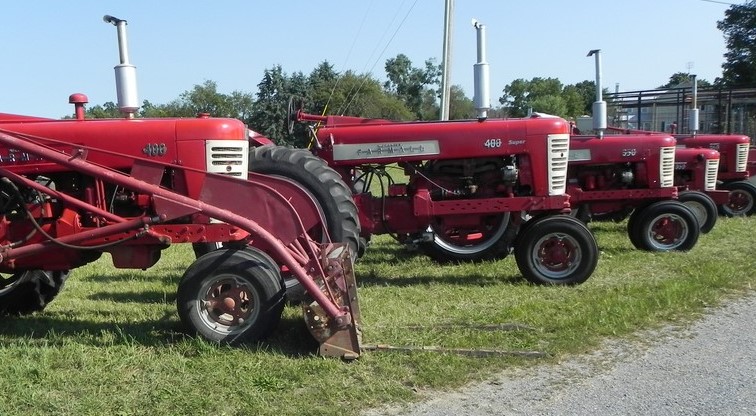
{"x": 446, "y": 64}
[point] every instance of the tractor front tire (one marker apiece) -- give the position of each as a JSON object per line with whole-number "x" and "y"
{"x": 231, "y": 296}
{"x": 664, "y": 226}
{"x": 703, "y": 208}
{"x": 742, "y": 199}
{"x": 556, "y": 250}
{"x": 323, "y": 183}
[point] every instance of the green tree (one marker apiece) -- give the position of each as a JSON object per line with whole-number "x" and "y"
{"x": 322, "y": 84}
{"x": 521, "y": 96}
{"x": 684, "y": 79}
{"x": 409, "y": 83}
{"x": 107, "y": 110}
{"x": 548, "y": 95}
{"x": 460, "y": 106}
{"x": 581, "y": 97}
{"x": 739, "y": 29}
{"x": 205, "y": 98}
{"x": 269, "y": 112}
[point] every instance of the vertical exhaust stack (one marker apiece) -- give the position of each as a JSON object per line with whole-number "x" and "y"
{"x": 125, "y": 73}
{"x": 482, "y": 98}
{"x": 693, "y": 119}
{"x": 599, "y": 106}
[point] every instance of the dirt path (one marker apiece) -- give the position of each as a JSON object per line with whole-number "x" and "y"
{"x": 707, "y": 368}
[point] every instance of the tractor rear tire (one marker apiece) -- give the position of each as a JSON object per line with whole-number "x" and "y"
{"x": 231, "y": 296}
{"x": 448, "y": 247}
{"x": 742, "y": 199}
{"x": 703, "y": 208}
{"x": 556, "y": 250}
{"x": 664, "y": 226}
{"x": 29, "y": 291}
{"x": 324, "y": 185}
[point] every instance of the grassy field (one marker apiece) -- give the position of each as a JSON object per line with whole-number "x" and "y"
{"x": 112, "y": 343}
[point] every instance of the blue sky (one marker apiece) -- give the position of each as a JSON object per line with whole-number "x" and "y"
{"x": 51, "y": 49}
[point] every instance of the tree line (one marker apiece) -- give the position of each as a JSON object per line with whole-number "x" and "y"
{"x": 412, "y": 93}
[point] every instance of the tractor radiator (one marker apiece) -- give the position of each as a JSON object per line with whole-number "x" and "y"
{"x": 559, "y": 150}
{"x": 712, "y": 167}
{"x": 667, "y": 167}
{"x": 741, "y": 157}
{"x": 228, "y": 157}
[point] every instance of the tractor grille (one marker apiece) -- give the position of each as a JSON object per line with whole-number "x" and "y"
{"x": 227, "y": 157}
{"x": 559, "y": 150}
{"x": 741, "y": 157}
{"x": 712, "y": 167}
{"x": 667, "y": 167}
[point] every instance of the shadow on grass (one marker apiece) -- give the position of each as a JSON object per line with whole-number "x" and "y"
{"x": 372, "y": 279}
{"x": 290, "y": 338}
{"x": 380, "y": 254}
{"x": 171, "y": 277}
{"x": 142, "y": 296}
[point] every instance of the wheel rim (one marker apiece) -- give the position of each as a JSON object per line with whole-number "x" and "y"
{"x": 227, "y": 304}
{"x": 667, "y": 232}
{"x": 557, "y": 255}
{"x": 699, "y": 211}
{"x": 740, "y": 202}
{"x": 470, "y": 242}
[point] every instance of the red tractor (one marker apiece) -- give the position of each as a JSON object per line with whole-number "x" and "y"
{"x": 469, "y": 185}
{"x": 734, "y": 172}
{"x": 613, "y": 177}
{"x": 71, "y": 190}
{"x": 616, "y": 176}
{"x": 696, "y": 181}
{"x": 736, "y": 164}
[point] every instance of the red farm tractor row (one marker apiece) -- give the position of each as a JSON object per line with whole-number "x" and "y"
{"x": 71, "y": 190}
{"x": 732, "y": 192}
{"x": 470, "y": 185}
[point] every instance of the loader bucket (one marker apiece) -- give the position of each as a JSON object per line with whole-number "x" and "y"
{"x": 337, "y": 338}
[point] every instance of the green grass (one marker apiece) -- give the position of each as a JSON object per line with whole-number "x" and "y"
{"x": 111, "y": 343}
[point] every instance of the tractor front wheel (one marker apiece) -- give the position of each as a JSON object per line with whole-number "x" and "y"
{"x": 29, "y": 291}
{"x": 742, "y": 199}
{"x": 664, "y": 226}
{"x": 556, "y": 250}
{"x": 231, "y": 296}
{"x": 703, "y": 208}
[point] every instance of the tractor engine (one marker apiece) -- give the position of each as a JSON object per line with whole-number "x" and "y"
{"x": 468, "y": 178}
{"x": 621, "y": 176}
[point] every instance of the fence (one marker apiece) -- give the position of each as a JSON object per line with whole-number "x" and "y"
{"x": 721, "y": 110}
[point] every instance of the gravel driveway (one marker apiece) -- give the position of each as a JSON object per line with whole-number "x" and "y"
{"x": 708, "y": 368}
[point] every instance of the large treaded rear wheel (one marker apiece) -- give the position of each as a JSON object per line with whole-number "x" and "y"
{"x": 29, "y": 291}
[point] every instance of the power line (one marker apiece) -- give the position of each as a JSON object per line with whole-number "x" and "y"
{"x": 720, "y": 2}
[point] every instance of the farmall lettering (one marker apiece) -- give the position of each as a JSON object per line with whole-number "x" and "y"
{"x": 17, "y": 156}
{"x": 384, "y": 150}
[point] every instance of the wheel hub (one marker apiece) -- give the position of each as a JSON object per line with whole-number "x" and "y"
{"x": 557, "y": 253}
{"x": 668, "y": 230}
{"x": 228, "y": 303}
{"x": 739, "y": 202}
